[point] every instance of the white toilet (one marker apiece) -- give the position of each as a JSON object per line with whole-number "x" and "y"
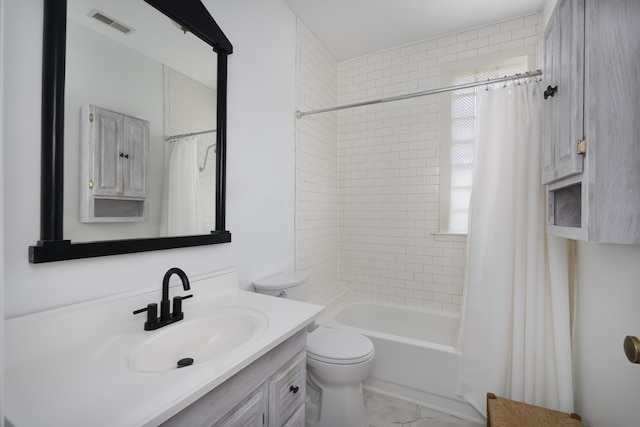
{"x": 337, "y": 362}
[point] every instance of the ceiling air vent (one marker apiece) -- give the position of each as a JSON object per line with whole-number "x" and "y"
{"x": 105, "y": 19}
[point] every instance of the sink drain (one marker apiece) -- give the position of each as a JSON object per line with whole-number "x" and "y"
{"x": 187, "y": 361}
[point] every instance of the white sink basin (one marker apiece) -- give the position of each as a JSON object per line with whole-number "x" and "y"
{"x": 203, "y": 337}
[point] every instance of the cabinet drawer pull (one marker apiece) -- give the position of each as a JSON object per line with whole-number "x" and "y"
{"x": 293, "y": 389}
{"x": 550, "y": 91}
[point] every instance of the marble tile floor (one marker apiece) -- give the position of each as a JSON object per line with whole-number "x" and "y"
{"x": 388, "y": 411}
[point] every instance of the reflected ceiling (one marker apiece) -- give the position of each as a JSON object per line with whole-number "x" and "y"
{"x": 150, "y": 36}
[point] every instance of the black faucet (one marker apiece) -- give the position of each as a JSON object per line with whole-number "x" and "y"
{"x": 166, "y": 316}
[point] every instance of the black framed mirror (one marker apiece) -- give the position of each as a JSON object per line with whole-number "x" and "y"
{"x": 189, "y": 15}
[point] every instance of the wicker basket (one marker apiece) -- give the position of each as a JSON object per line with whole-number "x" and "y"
{"x": 503, "y": 412}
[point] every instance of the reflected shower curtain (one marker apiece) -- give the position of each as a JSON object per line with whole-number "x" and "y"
{"x": 182, "y": 188}
{"x": 516, "y": 339}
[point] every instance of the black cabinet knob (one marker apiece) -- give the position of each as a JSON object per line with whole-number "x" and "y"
{"x": 550, "y": 91}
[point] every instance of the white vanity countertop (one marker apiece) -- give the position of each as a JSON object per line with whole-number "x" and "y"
{"x": 59, "y": 370}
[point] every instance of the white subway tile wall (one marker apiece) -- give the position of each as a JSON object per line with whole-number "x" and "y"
{"x": 191, "y": 107}
{"x": 389, "y": 166}
{"x": 317, "y": 193}
{"x": 382, "y": 204}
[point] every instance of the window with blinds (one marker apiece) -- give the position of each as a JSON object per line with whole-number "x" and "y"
{"x": 463, "y": 118}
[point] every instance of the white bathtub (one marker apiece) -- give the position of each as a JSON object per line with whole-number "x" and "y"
{"x": 415, "y": 354}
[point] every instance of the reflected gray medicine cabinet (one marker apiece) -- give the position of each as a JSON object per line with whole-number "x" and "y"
{"x": 114, "y": 153}
{"x": 192, "y": 16}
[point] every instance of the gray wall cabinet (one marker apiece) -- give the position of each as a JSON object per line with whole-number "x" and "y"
{"x": 590, "y": 150}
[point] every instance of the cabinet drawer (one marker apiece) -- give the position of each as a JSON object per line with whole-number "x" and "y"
{"x": 287, "y": 390}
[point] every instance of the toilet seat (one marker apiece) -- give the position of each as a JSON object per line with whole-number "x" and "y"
{"x": 338, "y": 347}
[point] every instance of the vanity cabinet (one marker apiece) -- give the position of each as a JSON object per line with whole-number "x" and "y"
{"x": 114, "y": 150}
{"x": 269, "y": 392}
{"x": 590, "y": 154}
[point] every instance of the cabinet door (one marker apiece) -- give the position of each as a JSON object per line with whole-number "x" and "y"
{"x": 135, "y": 159}
{"x": 251, "y": 413}
{"x": 563, "y": 114}
{"x": 287, "y": 391}
{"x": 107, "y": 146}
{"x": 613, "y": 120}
{"x": 551, "y": 52}
{"x": 297, "y": 419}
{"x": 570, "y": 88}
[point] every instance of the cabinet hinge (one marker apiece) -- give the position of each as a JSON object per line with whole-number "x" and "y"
{"x": 90, "y": 183}
{"x": 582, "y": 146}
{"x": 90, "y": 117}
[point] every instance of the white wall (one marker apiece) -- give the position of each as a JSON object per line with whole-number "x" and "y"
{"x": 260, "y": 195}
{"x": 607, "y": 310}
{"x": 2, "y": 297}
{"x": 317, "y": 193}
{"x": 547, "y": 10}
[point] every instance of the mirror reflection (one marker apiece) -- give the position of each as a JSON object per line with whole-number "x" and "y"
{"x": 126, "y": 61}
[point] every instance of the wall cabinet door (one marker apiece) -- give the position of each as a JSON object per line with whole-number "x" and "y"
{"x": 612, "y": 117}
{"x": 551, "y": 57}
{"x": 563, "y": 75}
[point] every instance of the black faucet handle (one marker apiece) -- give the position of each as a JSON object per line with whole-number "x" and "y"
{"x": 149, "y": 308}
{"x": 177, "y": 304}
{"x": 152, "y": 314}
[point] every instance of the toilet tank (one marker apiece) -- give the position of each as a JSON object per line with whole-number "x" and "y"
{"x": 289, "y": 284}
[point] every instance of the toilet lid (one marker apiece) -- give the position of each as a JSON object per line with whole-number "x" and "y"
{"x": 338, "y": 346}
{"x": 280, "y": 281}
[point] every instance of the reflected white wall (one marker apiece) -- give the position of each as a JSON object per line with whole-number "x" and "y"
{"x": 107, "y": 74}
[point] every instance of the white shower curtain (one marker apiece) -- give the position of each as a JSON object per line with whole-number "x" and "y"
{"x": 516, "y": 339}
{"x": 182, "y": 188}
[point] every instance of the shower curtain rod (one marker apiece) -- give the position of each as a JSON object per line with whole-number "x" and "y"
{"x": 300, "y": 114}
{"x": 184, "y": 135}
